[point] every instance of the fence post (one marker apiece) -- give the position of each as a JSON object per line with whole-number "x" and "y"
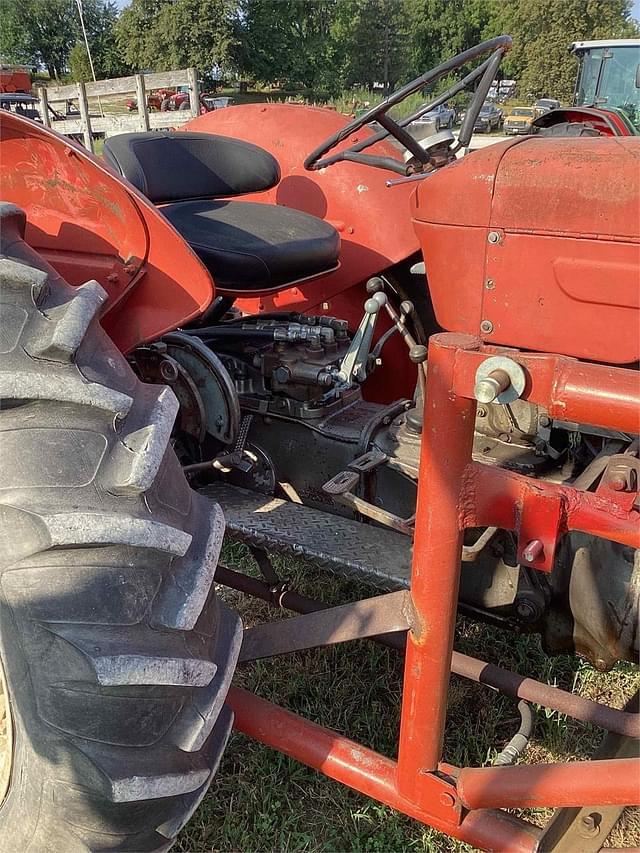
{"x": 44, "y": 106}
{"x": 194, "y": 91}
{"x": 141, "y": 98}
{"x": 84, "y": 115}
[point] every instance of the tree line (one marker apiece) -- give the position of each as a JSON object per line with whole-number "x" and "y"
{"x": 324, "y": 46}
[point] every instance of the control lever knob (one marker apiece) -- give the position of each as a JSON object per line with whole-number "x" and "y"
{"x": 375, "y": 303}
{"x": 375, "y": 285}
{"x": 418, "y": 353}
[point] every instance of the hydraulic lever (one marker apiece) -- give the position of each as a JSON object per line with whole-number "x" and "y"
{"x": 417, "y": 352}
{"x": 355, "y": 364}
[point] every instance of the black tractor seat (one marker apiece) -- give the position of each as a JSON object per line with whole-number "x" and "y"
{"x": 245, "y": 245}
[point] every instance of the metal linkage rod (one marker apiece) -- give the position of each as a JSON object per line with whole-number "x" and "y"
{"x": 507, "y": 682}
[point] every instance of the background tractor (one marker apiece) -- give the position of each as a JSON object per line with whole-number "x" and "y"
{"x": 607, "y": 91}
{"x": 404, "y": 369}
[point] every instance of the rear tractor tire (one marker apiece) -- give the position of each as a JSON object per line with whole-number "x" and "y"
{"x": 117, "y": 655}
{"x": 569, "y": 128}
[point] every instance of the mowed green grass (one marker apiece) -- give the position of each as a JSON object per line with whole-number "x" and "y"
{"x": 263, "y": 801}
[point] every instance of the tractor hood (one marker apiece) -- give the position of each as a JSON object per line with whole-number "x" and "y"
{"x": 90, "y": 224}
{"x": 536, "y": 244}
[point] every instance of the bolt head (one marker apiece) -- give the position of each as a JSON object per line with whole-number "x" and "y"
{"x": 590, "y": 825}
{"x": 486, "y": 326}
{"x": 486, "y": 390}
{"x": 526, "y": 610}
{"x": 168, "y": 371}
{"x": 494, "y": 237}
{"x": 489, "y": 284}
{"x": 618, "y": 484}
{"x": 447, "y": 799}
{"x": 533, "y": 550}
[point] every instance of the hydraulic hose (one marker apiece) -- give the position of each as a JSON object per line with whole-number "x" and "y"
{"x": 519, "y": 742}
{"x": 213, "y": 333}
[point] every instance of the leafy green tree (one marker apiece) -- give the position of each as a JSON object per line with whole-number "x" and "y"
{"x": 48, "y": 33}
{"x": 14, "y": 42}
{"x": 136, "y": 34}
{"x": 45, "y": 32}
{"x": 100, "y": 18}
{"x": 371, "y": 42}
{"x": 288, "y": 41}
{"x": 440, "y": 29}
{"x": 79, "y": 65}
{"x": 196, "y": 33}
{"x": 169, "y": 34}
{"x": 542, "y": 31}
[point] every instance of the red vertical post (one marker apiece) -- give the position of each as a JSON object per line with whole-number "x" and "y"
{"x": 447, "y": 441}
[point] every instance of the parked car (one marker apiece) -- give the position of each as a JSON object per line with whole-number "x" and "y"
{"x": 489, "y": 118}
{"x": 444, "y": 116}
{"x": 519, "y": 121}
{"x": 24, "y": 105}
{"x": 29, "y": 106}
{"x": 215, "y": 102}
{"x": 545, "y": 105}
{"x": 441, "y": 117}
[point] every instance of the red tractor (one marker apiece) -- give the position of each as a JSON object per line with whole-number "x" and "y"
{"x": 418, "y": 372}
{"x": 607, "y": 93}
{"x": 15, "y": 78}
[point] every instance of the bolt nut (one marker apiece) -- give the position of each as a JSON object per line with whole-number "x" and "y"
{"x": 486, "y": 326}
{"x": 494, "y": 237}
{"x": 544, "y": 420}
{"x": 481, "y": 412}
{"x": 526, "y": 610}
{"x": 590, "y": 825}
{"x": 533, "y": 551}
{"x": 168, "y": 370}
{"x": 282, "y": 374}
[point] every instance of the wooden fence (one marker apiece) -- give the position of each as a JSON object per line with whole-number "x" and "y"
{"x": 89, "y": 124}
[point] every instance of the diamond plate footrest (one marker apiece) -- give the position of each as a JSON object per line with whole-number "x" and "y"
{"x": 356, "y": 551}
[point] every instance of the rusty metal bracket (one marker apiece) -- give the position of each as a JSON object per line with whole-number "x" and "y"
{"x": 587, "y": 828}
{"x": 539, "y": 529}
{"x": 620, "y": 481}
{"x": 340, "y": 488}
{"x": 382, "y": 614}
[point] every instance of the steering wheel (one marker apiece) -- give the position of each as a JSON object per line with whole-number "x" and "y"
{"x": 486, "y": 71}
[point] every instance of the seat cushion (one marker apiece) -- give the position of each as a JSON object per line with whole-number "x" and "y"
{"x": 249, "y": 246}
{"x": 169, "y": 166}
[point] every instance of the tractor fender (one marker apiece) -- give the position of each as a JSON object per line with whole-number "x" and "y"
{"x": 89, "y": 223}
{"x": 372, "y": 219}
{"x": 608, "y": 122}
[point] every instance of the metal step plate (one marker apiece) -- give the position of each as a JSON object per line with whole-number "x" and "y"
{"x": 349, "y": 548}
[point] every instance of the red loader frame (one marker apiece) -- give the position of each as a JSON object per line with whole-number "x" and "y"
{"x": 454, "y": 493}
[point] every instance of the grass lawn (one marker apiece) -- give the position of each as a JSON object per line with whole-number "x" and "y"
{"x": 263, "y": 801}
